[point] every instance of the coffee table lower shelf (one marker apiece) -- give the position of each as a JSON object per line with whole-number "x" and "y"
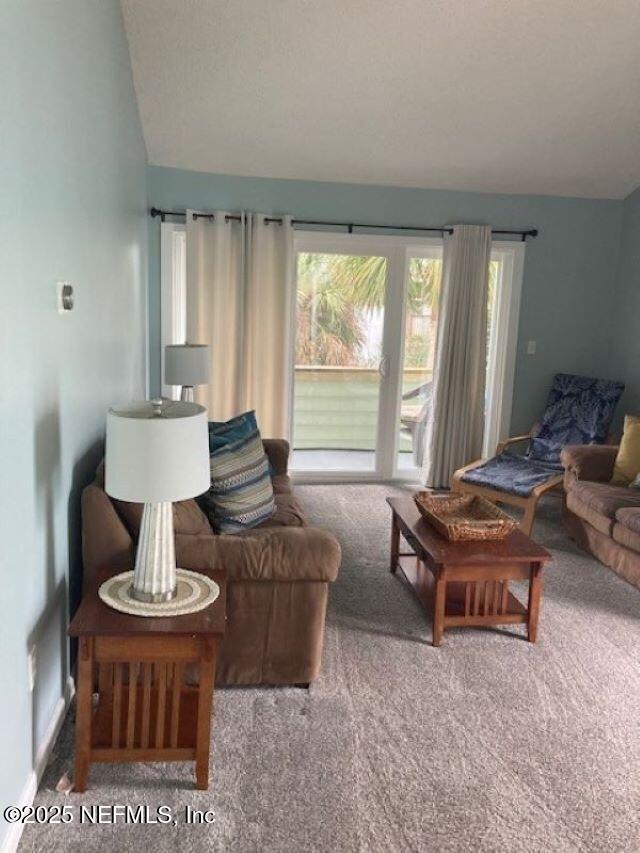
{"x": 479, "y": 603}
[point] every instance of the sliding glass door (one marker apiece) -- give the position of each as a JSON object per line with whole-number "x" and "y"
{"x": 367, "y": 311}
{"x": 339, "y": 360}
{"x": 366, "y": 314}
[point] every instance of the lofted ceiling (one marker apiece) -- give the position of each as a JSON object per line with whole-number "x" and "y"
{"x": 513, "y": 96}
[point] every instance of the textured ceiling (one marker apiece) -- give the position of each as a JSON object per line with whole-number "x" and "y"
{"x": 515, "y": 96}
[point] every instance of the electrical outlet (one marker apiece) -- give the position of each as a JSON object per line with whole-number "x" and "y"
{"x": 531, "y": 347}
{"x": 32, "y": 667}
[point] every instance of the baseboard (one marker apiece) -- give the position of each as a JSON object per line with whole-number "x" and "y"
{"x": 12, "y": 838}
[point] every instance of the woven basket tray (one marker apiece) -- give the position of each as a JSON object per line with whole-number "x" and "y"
{"x": 464, "y": 517}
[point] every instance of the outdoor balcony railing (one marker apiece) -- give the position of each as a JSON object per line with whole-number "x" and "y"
{"x": 337, "y": 407}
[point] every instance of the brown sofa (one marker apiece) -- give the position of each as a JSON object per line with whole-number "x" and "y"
{"x": 602, "y": 518}
{"x": 278, "y": 575}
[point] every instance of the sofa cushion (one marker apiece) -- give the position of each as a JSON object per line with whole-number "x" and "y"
{"x": 621, "y": 559}
{"x": 627, "y": 537}
{"x": 288, "y": 513}
{"x": 629, "y": 518}
{"x": 515, "y": 475}
{"x": 605, "y": 498}
{"x": 598, "y": 503}
{"x": 265, "y": 554}
{"x": 188, "y": 518}
{"x": 602, "y": 523}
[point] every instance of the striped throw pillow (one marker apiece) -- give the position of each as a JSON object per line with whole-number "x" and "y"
{"x": 241, "y": 493}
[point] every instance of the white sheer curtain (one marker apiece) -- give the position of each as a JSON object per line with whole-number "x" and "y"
{"x": 454, "y": 434}
{"x": 240, "y": 287}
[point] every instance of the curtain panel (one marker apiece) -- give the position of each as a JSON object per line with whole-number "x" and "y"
{"x": 456, "y": 426}
{"x": 240, "y": 291}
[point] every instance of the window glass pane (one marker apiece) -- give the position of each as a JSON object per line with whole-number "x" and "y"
{"x": 339, "y": 330}
{"x": 420, "y": 328}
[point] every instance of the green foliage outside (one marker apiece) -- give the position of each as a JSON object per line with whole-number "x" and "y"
{"x": 335, "y": 293}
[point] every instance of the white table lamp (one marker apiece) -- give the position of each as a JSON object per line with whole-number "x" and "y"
{"x": 186, "y": 365}
{"x": 157, "y": 452}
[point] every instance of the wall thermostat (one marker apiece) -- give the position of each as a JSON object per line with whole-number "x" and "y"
{"x": 65, "y": 297}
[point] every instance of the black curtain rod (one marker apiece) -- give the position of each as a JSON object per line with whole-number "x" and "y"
{"x": 441, "y": 229}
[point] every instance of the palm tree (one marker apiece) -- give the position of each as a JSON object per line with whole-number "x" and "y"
{"x": 335, "y": 290}
{"x": 328, "y": 329}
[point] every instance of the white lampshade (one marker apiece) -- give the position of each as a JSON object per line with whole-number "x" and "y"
{"x": 186, "y": 364}
{"x": 157, "y": 451}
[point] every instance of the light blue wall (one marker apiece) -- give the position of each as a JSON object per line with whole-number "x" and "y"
{"x": 625, "y": 338}
{"x": 73, "y": 207}
{"x": 569, "y": 268}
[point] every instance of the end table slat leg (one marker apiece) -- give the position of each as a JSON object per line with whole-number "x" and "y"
{"x": 439, "y": 606}
{"x": 203, "y": 726}
{"x": 131, "y": 709}
{"x": 476, "y": 597}
{"x": 83, "y": 714}
{"x": 487, "y": 597}
{"x": 105, "y": 677}
{"x": 535, "y": 593}
{"x": 146, "y": 705}
{"x": 505, "y": 597}
{"x": 117, "y": 705}
{"x": 162, "y": 698}
{"x": 395, "y": 544}
{"x": 175, "y": 702}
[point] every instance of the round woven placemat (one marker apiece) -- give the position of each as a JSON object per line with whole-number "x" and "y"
{"x": 194, "y": 592}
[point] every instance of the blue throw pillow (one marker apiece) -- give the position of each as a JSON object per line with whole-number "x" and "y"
{"x": 222, "y": 433}
{"x": 241, "y": 493}
{"x": 225, "y": 432}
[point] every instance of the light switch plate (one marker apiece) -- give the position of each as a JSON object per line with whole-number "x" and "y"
{"x": 531, "y": 347}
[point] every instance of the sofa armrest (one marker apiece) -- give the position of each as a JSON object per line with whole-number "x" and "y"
{"x": 266, "y": 554}
{"x": 277, "y": 450}
{"x": 106, "y": 542}
{"x": 592, "y": 462}
{"x": 197, "y": 552}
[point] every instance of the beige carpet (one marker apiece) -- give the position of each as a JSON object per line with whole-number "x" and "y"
{"x": 486, "y": 744}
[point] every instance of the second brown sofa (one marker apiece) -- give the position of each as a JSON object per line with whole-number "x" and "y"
{"x": 278, "y": 575}
{"x": 602, "y": 518}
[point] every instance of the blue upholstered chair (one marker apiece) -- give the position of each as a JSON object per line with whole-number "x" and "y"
{"x": 579, "y": 411}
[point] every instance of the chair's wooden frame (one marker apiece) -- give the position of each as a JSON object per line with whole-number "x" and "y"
{"x": 529, "y": 505}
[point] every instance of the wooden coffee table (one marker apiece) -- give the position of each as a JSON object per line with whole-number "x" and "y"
{"x": 147, "y": 706}
{"x": 466, "y": 583}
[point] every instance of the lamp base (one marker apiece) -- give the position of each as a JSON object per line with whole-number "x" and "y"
{"x": 152, "y": 597}
{"x": 154, "y": 577}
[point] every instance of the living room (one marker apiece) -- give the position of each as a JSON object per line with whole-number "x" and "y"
{"x": 321, "y": 430}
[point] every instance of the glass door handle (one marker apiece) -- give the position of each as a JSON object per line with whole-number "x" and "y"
{"x": 383, "y": 366}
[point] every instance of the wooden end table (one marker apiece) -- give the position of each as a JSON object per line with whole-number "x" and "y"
{"x": 162, "y": 718}
{"x": 466, "y": 583}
